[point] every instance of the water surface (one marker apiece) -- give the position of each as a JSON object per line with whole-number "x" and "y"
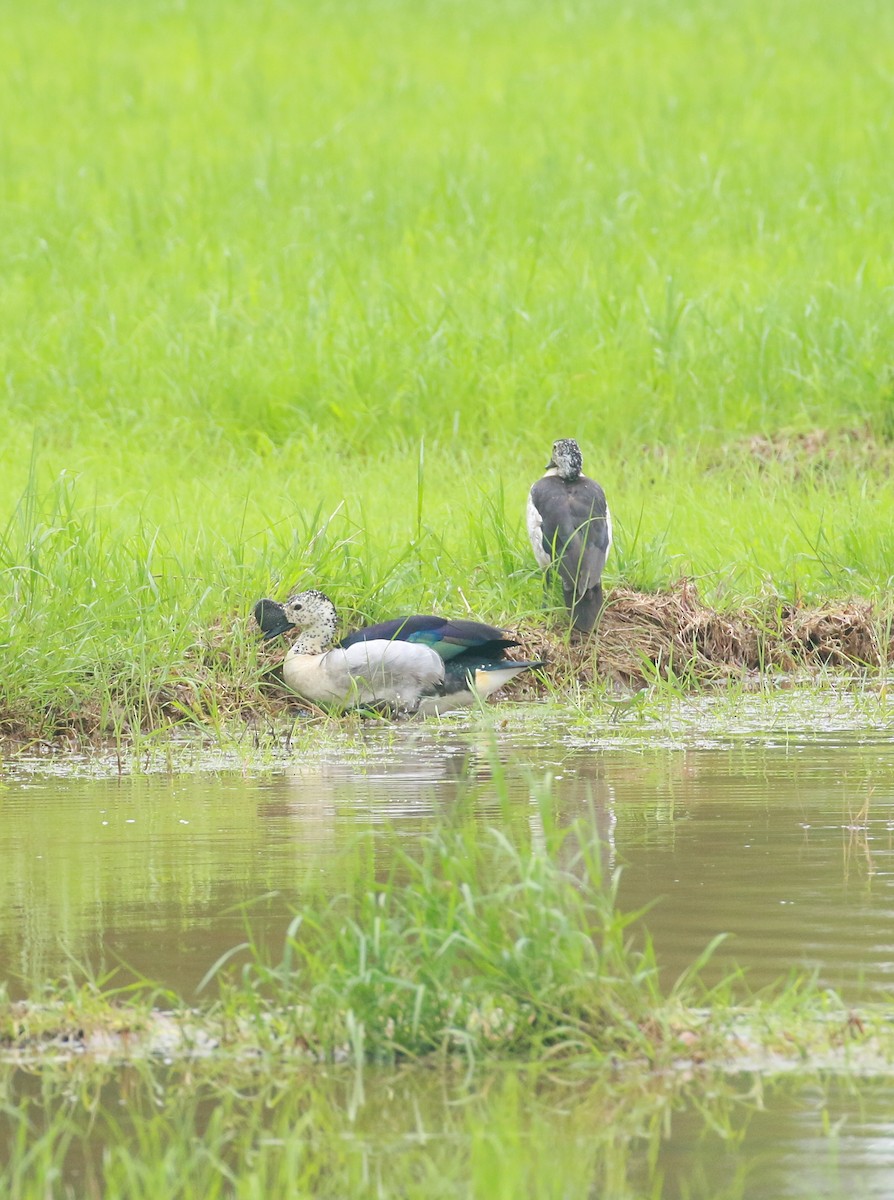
{"x": 785, "y": 844}
{"x": 779, "y": 835}
{"x": 412, "y": 1133}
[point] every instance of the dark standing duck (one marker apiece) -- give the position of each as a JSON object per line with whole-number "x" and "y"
{"x": 422, "y": 664}
{"x": 571, "y": 531}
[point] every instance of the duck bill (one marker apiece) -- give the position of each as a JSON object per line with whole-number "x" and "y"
{"x": 271, "y": 619}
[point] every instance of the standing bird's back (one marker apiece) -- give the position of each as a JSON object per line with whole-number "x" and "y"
{"x": 569, "y": 525}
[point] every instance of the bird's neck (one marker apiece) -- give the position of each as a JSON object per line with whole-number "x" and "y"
{"x": 312, "y": 641}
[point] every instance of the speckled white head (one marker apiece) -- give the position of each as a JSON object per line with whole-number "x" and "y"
{"x": 314, "y": 614}
{"x": 567, "y": 460}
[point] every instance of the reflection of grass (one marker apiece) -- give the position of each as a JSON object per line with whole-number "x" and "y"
{"x": 368, "y": 1048}
{"x": 109, "y": 852}
{"x": 99, "y": 866}
{"x": 242, "y": 1130}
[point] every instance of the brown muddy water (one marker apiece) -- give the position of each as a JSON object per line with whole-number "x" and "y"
{"x": 778, "y": 833}
{"x": 784, "y": 844}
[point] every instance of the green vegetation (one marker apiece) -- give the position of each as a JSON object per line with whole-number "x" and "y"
{"x": 259, "y": 256}
{"x": 487, "y": 949}
{"x": 194, "y": 1129}
{"x": 301, "y": 293}
{"x": 482, "y": 947}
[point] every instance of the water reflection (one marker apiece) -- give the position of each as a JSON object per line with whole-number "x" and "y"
{"x": 421, "y": 1133}
{"x": 328, "y": 801}
{"x": 799, "y": 1140}
{"x": 789, "y": 848}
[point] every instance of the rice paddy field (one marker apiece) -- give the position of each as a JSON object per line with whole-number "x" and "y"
{"x": 301, "y": 294}
{"x": 304, "y": 293}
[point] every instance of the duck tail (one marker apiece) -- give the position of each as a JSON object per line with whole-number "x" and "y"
{"x": 489, "y": 678}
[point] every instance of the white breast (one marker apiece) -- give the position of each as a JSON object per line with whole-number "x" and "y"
{"x": 395, "y": 673}
{"x": 535, "y": 533}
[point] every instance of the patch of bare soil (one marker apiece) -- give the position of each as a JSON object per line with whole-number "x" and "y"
{"x": 818, "y": 451}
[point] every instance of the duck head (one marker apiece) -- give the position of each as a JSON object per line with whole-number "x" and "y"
{"x": 314, "y": 614}
{"x": 566, "y": 460}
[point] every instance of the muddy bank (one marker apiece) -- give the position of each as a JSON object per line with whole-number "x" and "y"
{"x": 734, "y": 1039}
{"x": 674, "y": 636}
{"x": 642, "y": 638}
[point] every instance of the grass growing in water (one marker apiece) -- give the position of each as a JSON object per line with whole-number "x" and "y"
{"x": 484, "y": 948}
{"x": 494, "y": 941}
{"x": 371, "y": 1056}
{"x": 488, "y": 943}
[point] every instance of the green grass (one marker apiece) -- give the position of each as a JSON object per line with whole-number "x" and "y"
{"x": 301, "y": 294}
{"x": 480, "y": 945}
{"x": 251, "y": 222}
{"x": 258, "y": 257}
{"x": 475, "y": 1022}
